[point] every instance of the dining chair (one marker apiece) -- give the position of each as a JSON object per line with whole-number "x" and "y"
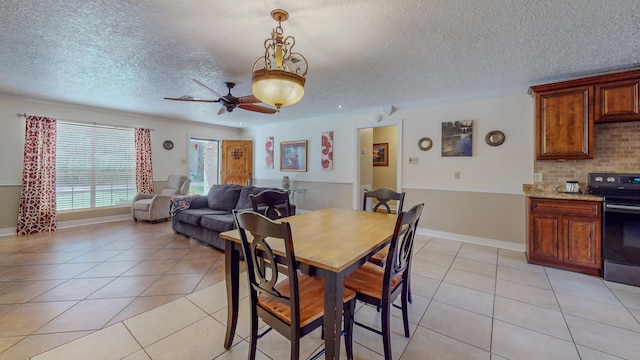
{"x": 271, "y": 198}
{"x": 381, "y": 286}
{"x": 293, "y": 306}
{"x": 383, "y": 196}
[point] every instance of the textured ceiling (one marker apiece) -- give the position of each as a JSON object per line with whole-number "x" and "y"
{"x": 362, "y": 54}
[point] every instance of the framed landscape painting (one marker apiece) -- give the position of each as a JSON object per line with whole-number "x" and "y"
{"x": 457, "y": 138}
{"x": 293, "y": 155}
{"x": 380, "y": 154}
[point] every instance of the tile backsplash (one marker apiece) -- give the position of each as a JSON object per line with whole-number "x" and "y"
{"x": 616, "y": 149}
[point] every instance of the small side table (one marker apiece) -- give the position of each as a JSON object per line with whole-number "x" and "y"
{"x": 293, "y": 192}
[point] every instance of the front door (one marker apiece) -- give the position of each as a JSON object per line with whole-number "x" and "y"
{"x": 237, "y": 158}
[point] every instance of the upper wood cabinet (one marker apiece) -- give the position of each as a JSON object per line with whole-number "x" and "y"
{"x": 564, "y": 124}
{"x": 567, "y": 111}
{"x": 617, "y": 101}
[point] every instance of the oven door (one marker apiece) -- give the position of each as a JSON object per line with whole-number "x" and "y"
{"x": 621, "y": 242}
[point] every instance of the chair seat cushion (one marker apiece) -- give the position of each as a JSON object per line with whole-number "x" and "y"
{"x": 219, "y": 223}
{"x": 143, "y": 204}
{"x": 193, "y": 216}
{"x": 311, "y": 290}
{"x": 367, "y": 280}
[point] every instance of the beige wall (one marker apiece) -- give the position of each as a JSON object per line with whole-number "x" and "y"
{"x": 471, "y": 215}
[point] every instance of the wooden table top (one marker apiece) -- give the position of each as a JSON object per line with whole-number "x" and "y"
{"x": 333, "y": 239}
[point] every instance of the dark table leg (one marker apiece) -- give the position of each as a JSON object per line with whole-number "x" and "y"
{"x": 232, "y": 277}
{"x": 333, "y": 288}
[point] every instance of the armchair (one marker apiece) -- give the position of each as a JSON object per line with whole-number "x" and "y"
{"x": 154, "y": 207}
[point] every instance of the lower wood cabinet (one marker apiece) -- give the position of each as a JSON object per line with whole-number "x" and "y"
{"x": 565, "y": 234}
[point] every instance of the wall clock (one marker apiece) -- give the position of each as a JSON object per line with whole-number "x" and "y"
{"x": 168, "y": 144}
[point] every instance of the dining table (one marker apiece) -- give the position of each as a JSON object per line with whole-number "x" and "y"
{"x": 329, "y": 243}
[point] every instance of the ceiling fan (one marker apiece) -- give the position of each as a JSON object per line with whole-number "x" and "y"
{"x": 229, "y": 102}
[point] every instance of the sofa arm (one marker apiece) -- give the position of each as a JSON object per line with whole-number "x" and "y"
{"x": 178, "y": 203}
{"x": 159, "y": 207}
{"x": 139, "y": 197}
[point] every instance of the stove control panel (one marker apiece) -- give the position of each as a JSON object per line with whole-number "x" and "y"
{"x": 617, "y": 181}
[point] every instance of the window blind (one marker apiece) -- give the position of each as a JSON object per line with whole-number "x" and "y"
{"x": 95, "y": 166}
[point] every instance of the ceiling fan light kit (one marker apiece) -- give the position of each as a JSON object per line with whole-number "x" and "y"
{"x": 279, "y": 76}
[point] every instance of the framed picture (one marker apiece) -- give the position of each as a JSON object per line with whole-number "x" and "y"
{"x": 326, "y": 150}
{"x": 457, "y": 138}
{"x": 268, "y": 148}
{"x": 293, "y": 155}
{"x": 380, "y": 154}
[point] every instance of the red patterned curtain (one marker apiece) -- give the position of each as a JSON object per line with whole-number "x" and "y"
{"x": 144, "y": 170}
{"x": 37, "y": 210}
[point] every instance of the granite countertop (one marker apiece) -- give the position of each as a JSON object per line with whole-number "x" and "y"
{"x": 551, "y": 192}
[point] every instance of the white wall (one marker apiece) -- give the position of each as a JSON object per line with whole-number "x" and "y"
{"x": 165, "y": 162}
{"x": 485, "y": 205}
{"x": 501, "y": 169}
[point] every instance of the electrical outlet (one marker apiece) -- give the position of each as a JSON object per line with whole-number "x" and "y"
{"x": 537, "y": 177}
{"x": 328, "y": 203}
{"x": 414, "y": 160}
{"x": 456, "y": 175}
{"x": 183, "y": 161}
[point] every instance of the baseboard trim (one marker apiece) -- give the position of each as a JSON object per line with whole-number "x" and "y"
{"x": 472, "y": 239}
{"x": 76, "y": 223}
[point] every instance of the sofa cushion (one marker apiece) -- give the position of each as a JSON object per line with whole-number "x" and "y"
{"x": 193, "y": 216}
{"x": 169, "y": 191}
{"x": 244, "y": 202}
{"x": 219, "y": 223}
{"x": 223, "y": 197}
{"x": 142, "y": 204}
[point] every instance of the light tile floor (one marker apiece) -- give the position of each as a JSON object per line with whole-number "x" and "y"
{"x": 136, "y": 291}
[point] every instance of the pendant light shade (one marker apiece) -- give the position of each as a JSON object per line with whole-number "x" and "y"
{"x": 279, "y": 76}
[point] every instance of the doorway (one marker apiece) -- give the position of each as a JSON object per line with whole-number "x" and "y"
{"x": 368, "y": 175}
{"x": 204, "y": 162}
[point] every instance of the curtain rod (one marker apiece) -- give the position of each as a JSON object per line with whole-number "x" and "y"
{"x": 24, "y": 115}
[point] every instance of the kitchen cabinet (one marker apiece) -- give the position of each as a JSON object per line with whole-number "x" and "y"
{"x": 565, "y": 112}
{"x": 564, "y": 124}
{"x": 565, "y": 234}
{"x": 617, "y": 101}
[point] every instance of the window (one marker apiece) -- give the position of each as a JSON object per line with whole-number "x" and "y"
{"x": 203, "y": 164}
{"x": 95, "y": 166}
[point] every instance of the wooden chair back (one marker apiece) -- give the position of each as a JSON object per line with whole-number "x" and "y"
{"x": 264, "y": 275}
{"x": 272, "y": 198}
{"x": 401, "y": 247}
{"x": 383, "y": 196}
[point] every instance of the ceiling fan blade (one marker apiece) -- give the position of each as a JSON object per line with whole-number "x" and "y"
{"x": 190, "y": 99}
{"x": 222, "y": 110}
{"x": 208, "y": 88}
{"x": 258, "y": 108}
{"x": 249, "y": 99}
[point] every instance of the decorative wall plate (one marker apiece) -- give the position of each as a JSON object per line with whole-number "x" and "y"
{"x": 425, "y": 143}
{"x": 168, "y": 144}
{"x": 494, "y": 138}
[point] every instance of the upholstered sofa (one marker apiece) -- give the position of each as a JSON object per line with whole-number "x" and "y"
{"x": 205, "y": 217}
{"x": 154, "y": 207}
